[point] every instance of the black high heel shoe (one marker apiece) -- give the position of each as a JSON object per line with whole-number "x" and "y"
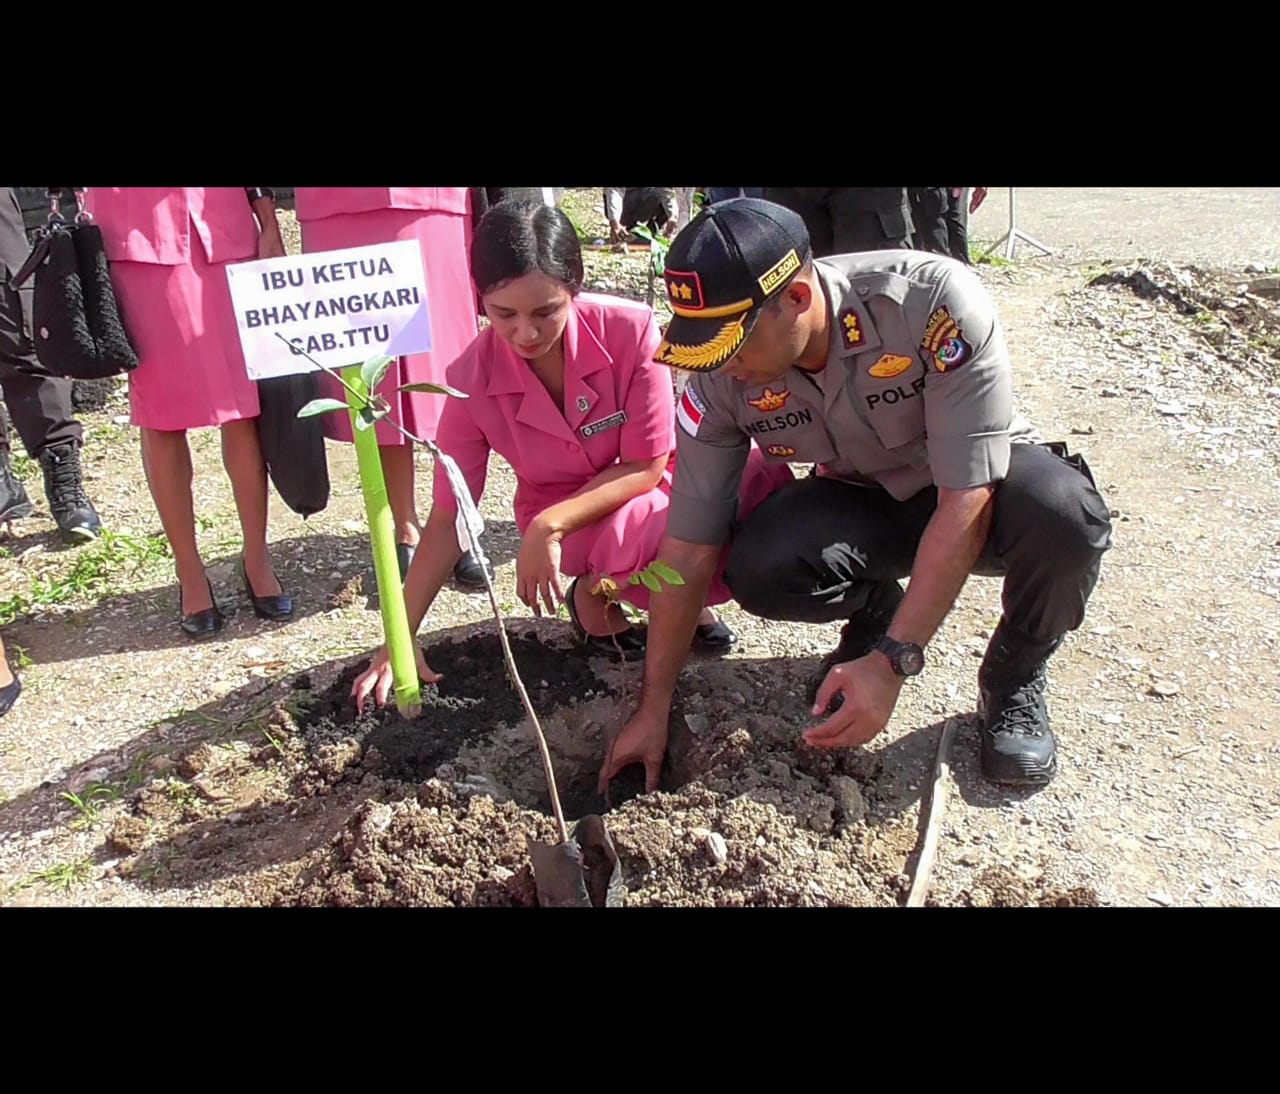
{"x": 201, "y": 624}
{"x": 266, "y": 607}
{"x": 714, "y": 638}
{"x": 631, "y": 642}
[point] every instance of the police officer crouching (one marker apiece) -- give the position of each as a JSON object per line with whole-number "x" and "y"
{"x": 888, "y": 370}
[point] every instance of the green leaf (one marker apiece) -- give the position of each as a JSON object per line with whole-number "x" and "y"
{"x": 437, "y": 389}
{"x": 632, "y": 614}
{"x": 670, "y": 576}
{"x": 321, "y": 406}
{"x": 365, "y": 419}
{"x": 634, "y": 579}
{"x": 374, "y": 369}
{"x": 650, "y": 582}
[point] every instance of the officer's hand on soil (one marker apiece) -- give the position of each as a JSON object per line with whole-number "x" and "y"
{"x": 642, "y": 740}
{"x": 617, "y": 233}
{"x": 538, "y": 571}
{"x": 670, "y": 229}
{"x": 377, "y": 678}
{"x": 870, "y": 688}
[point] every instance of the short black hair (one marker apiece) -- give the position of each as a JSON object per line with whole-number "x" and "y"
{"x": 522, "y": 236}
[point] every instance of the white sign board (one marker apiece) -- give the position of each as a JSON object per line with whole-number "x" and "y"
{"x": 341, "y": 307}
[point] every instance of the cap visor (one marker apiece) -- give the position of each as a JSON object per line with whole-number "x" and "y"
{"x": 703, "y": 345}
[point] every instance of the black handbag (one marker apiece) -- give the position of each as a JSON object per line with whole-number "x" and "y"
{"x": 292, "y": 447}
{"x": 77, "y": 329}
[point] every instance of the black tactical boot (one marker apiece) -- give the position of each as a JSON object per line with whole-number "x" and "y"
{"x": 64, "y": 487}
{"x": 860, "y": 635}
{"x": 1018, "y": 747}
{"x": 14, "y": 503}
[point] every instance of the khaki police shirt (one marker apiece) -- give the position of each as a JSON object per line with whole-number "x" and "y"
{"x": 917, "y": 390}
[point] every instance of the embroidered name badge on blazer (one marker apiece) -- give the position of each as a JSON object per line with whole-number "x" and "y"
{"x": 611, "y": 422}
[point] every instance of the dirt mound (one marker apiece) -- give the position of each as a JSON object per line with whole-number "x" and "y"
{"x": 439, "y": 811}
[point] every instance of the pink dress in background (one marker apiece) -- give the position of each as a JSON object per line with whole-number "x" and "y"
{"x": 439, "y": 219}
{"x": 608, "y": 369}
{"x": 169, "y": 249}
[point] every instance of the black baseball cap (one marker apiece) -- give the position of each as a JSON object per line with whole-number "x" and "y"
{"x": 729, "y": 260}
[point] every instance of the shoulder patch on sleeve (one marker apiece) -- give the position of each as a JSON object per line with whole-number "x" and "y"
{"x": 690, "y": 410}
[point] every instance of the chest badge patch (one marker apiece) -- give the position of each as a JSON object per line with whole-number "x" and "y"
{"x": 850, "y": 328}
{"x": 782, "y": 451}
{"x": 611, "y": 422}
{"x": 889, "y": 365}
{"x": 769, "y": 400}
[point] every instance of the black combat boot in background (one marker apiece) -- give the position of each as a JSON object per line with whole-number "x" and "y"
{"x": 64, "y": 487}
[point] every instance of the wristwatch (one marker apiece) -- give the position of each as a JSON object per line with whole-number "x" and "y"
{"x": 906, "y": 658}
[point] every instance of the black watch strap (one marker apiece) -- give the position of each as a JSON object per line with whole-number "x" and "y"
{"x": 906, "y": 658}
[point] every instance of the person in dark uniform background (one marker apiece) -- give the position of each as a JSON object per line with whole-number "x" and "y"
{"x": 844, "y": 219}
{"x": 941, "y": 217}
{"x": 890, "y": 373}
{"x": 40, "y": 404}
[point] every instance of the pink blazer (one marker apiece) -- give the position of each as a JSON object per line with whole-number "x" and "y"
{"x": 318, "y": 202}
{"x": 155, "y": 224}
{"x": 618, "y": 407}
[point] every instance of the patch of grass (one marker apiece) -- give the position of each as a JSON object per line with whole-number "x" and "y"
{"x": 65, "y": 875}
{"x": 183, "y": 793}
{"x": 979, "y": 257}
{"x": 20, "y": 659}
{"x": 109, "y": 433}
{"x": 90, "y": 802}
{"x": 24, "y": 467}
{"x": 112, "y": 556}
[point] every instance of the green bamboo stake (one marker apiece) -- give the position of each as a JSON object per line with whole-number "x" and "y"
{"x": 382, "y": 534}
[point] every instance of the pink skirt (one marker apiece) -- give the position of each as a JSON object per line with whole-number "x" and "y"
{"x": 445, "y": 240}
{"x": 191, "y": 371}
{"x": 629, "y": 538}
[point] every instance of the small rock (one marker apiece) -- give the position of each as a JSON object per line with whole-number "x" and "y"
{"x": 779, "y": 772}
{"x": 697, "y": 723}
{"x": 256, "y": 652}
{"x": 848, "y": 796}
{"x": 1265, "y": 286}
{"x": 1164, "y": 688}
{"x": 1171, "y": 410}
{"x": 1082, "y": 430}
{"x": 718, "y": 850}
{"x": 1163, "y": 899}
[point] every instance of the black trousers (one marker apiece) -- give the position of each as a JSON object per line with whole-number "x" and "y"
{"x": 816, "y": 550}
{"x": 39, "y": 404}
{"x": 929, "y": 215}
{"x": 845, "y": 219}
{"x": 957, "y": 218}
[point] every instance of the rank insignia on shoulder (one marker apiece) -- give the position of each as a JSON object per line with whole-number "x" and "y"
{"x": 782, "y": 451}
{"x": 850, "y": 328}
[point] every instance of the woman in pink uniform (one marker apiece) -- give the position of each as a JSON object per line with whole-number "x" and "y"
{"x": 563, "y": 386}
{"x": 439, "y": 220}
{"x": 169, "y": 249}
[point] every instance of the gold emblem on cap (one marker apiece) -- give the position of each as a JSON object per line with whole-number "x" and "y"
{"x": 706, "y": 356}
{"x": 780, "y": 272}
